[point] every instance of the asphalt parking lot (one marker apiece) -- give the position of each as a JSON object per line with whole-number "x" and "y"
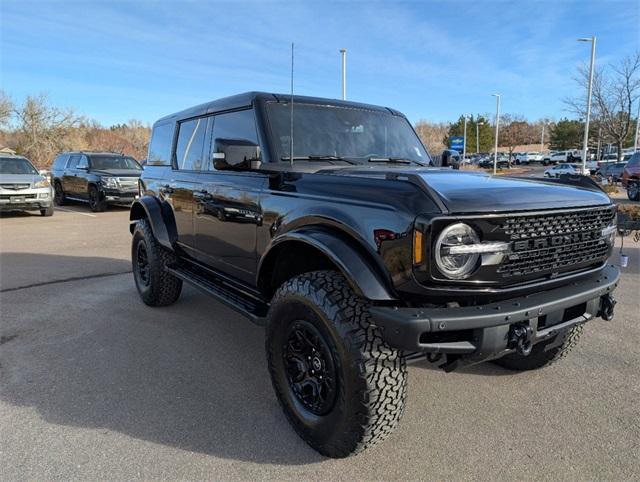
{"x": 95, "y": 385}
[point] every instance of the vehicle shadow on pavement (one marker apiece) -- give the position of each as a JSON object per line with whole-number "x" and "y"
{"x": 192, "y": 376}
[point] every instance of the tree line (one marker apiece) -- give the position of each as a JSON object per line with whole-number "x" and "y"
{"x": 39, "y": 130}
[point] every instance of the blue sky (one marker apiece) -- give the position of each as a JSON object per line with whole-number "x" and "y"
{"x": 117, "y": 60}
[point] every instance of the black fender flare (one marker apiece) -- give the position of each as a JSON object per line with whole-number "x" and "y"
{"x": 160, "y": 217}
{"x": 363, "y": 275}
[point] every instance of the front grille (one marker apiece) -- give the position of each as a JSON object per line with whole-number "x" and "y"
{"x": 573, "y": 253}
{"x": 542, "y": 225}
{"x": 128, "y": 182}
{"x": 6, "y": 197}
{"x": 15, "y": 186}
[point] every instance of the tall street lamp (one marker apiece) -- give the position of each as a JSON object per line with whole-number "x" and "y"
{"x": 464, "y": 139}
{"x": 585, "y": 148}
{"x": 344, "y": 73}
{"x": 544, "y": 124}
{"x": 478, "y": 124}
{"x": 635, "y": 143}
{"x": 495, "y": 149}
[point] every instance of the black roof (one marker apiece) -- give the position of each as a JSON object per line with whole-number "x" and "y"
{"x": 247, "y": 99}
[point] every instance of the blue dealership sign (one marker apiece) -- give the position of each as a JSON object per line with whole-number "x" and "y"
{"x": 456, "y": 143}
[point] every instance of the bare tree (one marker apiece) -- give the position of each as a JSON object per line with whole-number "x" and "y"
{"x": 44, "y": 130}
{"x": 516, "y": 131}
{"x": 616, "y": 88}
{"x": 6, "y": 108}
{"x": 432, "y": 135}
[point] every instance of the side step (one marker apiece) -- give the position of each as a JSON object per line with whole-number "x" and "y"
{"x": 251, "y": 307}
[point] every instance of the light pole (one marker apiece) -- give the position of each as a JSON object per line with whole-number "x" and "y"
{"x": 464, "y": 139}
{"x": 585, "y": 147}
{"x": 478, "y": 124}
{"x": 495, "y": 149}
{"x": 544, "y": 124}
{"x": 635, "y": 143}
{"x": 344, "y": 73}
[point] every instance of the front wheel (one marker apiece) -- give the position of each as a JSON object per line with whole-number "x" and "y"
{"x": 97, "y": 202}
{"x": 633, "y": 190}
{"x": 47, "y": 211}
{"x": 341, "y": 387}
{"x": 58, "y": 194}
{"x": 544, "y": 353}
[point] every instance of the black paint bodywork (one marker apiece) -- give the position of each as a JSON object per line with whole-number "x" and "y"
{"x": 361, "y": 219}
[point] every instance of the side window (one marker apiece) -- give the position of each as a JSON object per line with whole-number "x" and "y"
{"x": 635, "y": 160}
{"x": 59, "y": 162}
{"x": 83, "y": 163}
{"x": 160, "y": 145}
{"x": 190, "y": 146}
{"x": 240, "y": 125}
{"x": 73, "y": 161}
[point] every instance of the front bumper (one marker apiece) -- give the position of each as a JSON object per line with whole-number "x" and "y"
{"x": 482, "y": 332}
{"x": 119, "y": 196}
{"x": 26, "y": 199}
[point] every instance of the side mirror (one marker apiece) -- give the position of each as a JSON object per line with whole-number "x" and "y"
{"x": 445, "y": 159}
{"x": 235, "y": 154}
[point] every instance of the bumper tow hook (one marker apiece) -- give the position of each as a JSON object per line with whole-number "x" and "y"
{"x": 520, "y": 338}
{"x": 607, "y": 303}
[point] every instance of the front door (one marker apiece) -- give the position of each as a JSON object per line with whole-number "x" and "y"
{"x": 228, "y": 210}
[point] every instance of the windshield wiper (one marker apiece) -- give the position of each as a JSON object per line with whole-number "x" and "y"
{"x": 317, "y": 157}
{"x": 394, "y": 160}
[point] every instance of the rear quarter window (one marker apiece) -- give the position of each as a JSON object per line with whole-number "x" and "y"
{"x": 160, "y": 145}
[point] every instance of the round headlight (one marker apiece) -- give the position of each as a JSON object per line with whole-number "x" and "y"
{"x": 450, "y": 263}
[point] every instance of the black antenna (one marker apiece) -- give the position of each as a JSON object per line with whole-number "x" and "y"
{"x": 291, "y": 120}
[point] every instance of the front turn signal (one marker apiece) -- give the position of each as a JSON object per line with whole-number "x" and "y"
{"x": 417, "y": 247}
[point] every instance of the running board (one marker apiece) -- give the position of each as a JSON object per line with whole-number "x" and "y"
{"x": 252, "y": 308}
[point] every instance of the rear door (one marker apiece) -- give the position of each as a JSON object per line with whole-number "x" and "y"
{"x": 228, "y": 210}
{"x": 70, "y": 174}
{"x": 184, "y": 177}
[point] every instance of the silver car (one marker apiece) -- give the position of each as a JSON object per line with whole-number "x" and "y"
{"x": 22, "y": 188}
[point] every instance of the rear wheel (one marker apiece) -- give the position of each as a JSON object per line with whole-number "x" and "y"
{"x": 58, "y": 194}
{"x": 96, "y": 200}
{"x": 633, "y": 190}
{"x": 341, "y": 387}
{"x": 540, "y": 356}
{"x": 155, "y": 285}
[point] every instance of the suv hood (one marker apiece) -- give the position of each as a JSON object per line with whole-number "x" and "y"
{"x": 465, "y": 192}
{"x": 117, "y": 172}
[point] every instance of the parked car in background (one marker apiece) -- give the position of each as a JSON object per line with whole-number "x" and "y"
{"x": 631, "y": 177}
{"x": 22, "y": 187}
{"x": 611, "y": 172}
{"x": 528, "y": 157}
{"x": 502, "y": 161}
{"x": 99, "y": 178}
{"x": 565, "y": 156}
{"x": 563, "y": 168}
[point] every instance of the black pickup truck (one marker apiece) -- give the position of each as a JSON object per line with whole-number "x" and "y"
{"x": 326, "y": 221}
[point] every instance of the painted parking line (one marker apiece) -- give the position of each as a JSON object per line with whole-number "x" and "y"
{"x": 58, "y": 208}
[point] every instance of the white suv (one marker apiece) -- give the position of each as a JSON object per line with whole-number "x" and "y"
{"x": 22, "y": 188}
{"x": 527, "y": 157}
{"x": 563, "y": 168}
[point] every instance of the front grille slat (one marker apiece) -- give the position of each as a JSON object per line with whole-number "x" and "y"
{"x": 561, "y": 258}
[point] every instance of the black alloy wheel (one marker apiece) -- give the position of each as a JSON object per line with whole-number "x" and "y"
{"x": 58, "y": 194}
{"x": 142, "y": 264}
{"x": 310, "y": 368}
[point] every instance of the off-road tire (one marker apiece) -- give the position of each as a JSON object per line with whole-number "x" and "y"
{"x": 539, "y": 357}
{"x": 371, "y": 376}
{"x": 633, "y": 190}
{"x": 59, "y": 197}
{"x": 47, "y": 211}
{"x": 97, "y": 202}
{"x": 162, "y": 288}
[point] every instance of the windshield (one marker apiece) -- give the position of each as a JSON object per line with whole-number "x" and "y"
{"x": 114, "y": 162}
{"x": 343, "y": 132}
{"x": 9, "y": 165}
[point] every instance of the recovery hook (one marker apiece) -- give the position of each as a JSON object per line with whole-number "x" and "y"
{"x": 521, "y": 338}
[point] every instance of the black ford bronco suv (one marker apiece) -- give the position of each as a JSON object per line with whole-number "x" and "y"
{"x": 99, "y": 178}
{"x": 326, "y": 221}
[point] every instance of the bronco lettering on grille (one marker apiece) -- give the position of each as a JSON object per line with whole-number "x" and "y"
{"x": 541, "y": 243}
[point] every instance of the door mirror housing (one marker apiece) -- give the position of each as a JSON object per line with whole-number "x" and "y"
{"x": 236, "y": 154}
